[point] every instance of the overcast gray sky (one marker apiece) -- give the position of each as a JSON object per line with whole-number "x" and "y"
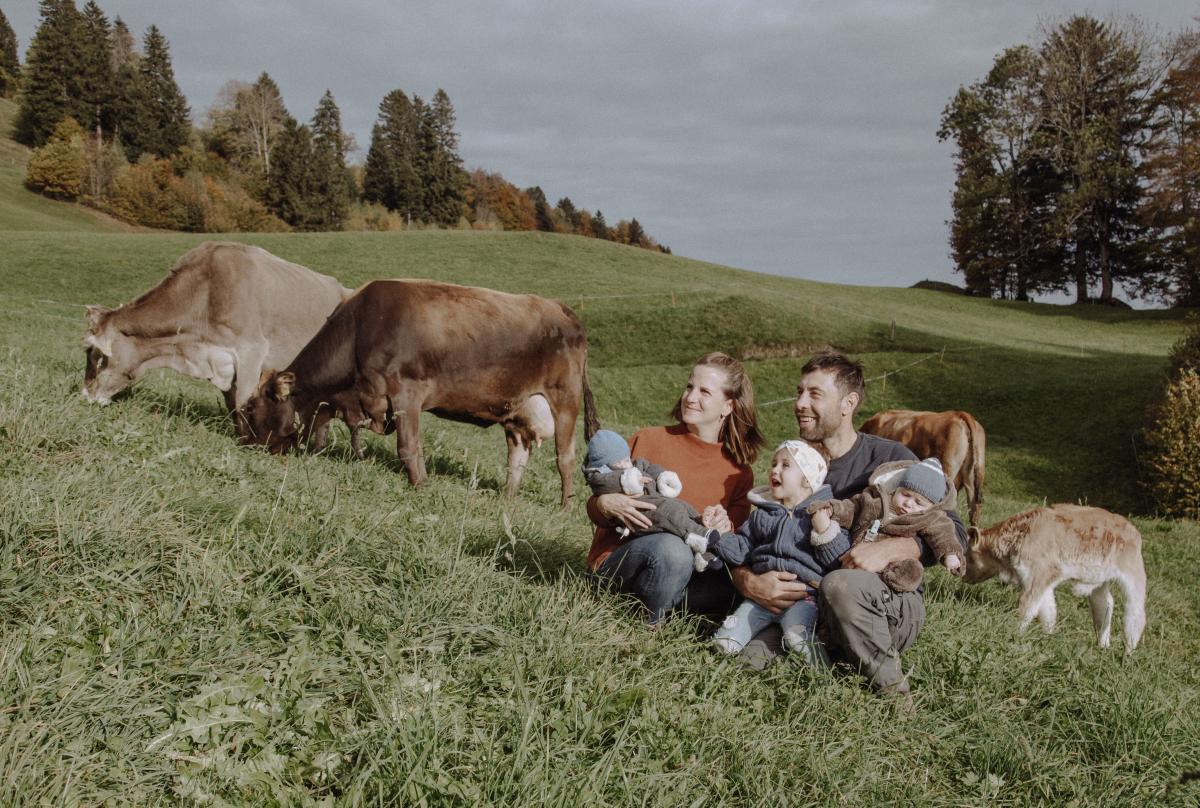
{"x": 796, "y": 137}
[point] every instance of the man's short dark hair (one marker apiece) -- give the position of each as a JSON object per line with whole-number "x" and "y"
{"x": 847, "y": 374}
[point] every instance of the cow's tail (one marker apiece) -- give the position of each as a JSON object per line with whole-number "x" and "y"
{"x": 591, "y": 421}
{"x": 973, "y": 468}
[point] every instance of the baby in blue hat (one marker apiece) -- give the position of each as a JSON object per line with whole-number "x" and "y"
{"x": 609, "y": 469}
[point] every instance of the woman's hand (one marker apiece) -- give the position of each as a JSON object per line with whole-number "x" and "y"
{"x": 624, "y": 509}
{"x": 714, "y": 516}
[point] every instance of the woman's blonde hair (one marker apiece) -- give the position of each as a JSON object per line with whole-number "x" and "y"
{"x": 739, "y": 431}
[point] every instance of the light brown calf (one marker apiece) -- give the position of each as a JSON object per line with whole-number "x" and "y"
{"x": 954, "y": 437}
{"x": 1039, "y": 549}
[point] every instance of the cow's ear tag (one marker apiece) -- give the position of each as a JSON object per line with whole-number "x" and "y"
{"x": 284, "y": 383}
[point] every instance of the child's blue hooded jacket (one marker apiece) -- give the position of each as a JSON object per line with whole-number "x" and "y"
{"x": 778, "y": 538}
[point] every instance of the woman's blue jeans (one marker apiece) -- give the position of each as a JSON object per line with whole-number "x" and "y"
{"x": 658, "y": 570}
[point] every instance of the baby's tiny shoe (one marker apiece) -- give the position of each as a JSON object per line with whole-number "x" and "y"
{"x": 669, "y": 484}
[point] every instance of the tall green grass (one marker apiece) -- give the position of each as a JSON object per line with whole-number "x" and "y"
{"x": 186, "y": 620}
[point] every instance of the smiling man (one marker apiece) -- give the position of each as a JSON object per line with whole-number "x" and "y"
{"x": 869, "y": 625}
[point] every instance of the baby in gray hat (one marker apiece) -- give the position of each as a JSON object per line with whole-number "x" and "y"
{"x": 904, "y": 498}
{"x": 609, "y": 469}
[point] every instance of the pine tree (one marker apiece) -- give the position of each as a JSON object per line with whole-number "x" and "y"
{"x": 97, "y": 80}
{"x": 541, "y": 210}
{"x": 599, "y": 228}
{"x": 51, "y": 82}
{"x": 390, "y": 177}
{"x": 292, "y": 188}
{"x": 10, "y": 66}
{"x": 570, "y": 215}
{"x": 126, "y": 79}
{"x": 1093, "y": 92}
{"x": 333, "y": 183}
{"x": 637, "y": 236}
{"x": 447, "y": 177}
{"x": 160, "y": 124}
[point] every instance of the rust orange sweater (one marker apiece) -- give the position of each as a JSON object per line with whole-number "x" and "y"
{"x": 708, "y": 474}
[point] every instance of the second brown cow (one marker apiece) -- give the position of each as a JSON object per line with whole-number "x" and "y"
{"x": 954, "y": 437}
{"x": 397, "y": 348}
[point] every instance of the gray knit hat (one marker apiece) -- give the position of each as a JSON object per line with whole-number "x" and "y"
{"x": 605, "y": 448}
{"x": 927, "y": 479}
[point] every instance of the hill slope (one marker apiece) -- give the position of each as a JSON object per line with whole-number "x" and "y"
{"x": 187, "y": 619}
{"x": 23, "y": 210}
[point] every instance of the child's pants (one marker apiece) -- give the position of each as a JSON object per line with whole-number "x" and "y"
{"x": 798, "y": 622}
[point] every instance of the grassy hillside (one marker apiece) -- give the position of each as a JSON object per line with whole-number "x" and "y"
{"x": 21, "y": 209}
{"x": 184, "y": 619}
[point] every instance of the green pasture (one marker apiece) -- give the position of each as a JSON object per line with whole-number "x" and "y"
{"x": 189, "y": 621}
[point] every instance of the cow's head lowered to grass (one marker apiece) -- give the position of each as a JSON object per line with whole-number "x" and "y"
{"x": 270, "y": 418}
{"x": 112, "y": 360}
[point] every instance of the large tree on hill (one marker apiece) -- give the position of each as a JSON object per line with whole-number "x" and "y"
{"x": 98, "y": 81}
{"x": 10, "y": 65}
{"x": 600, "y": 227}
{"x": 446, "y": 181}
{"x": 333, "y": 185}
{"x": 126, "y": 78}
{"x": 1172, "y": 176}
{"x": 390, "y": 175}
{"x": 1000, "y": 232}
{"x": 1094, "y": 87}
{"x": 160, "y": 124}
{"x": 293, "y": 186}
{"x": 541, "y": 210}
{"x": 52, "y": 80}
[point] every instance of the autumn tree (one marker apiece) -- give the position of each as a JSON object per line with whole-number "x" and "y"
{"x": 247, "y": 120}
{"x": 58, "y": 167}
{"x": 10, "y": 66}
{"x": 1172, "y": 176}
{"x": 494, "y": 202}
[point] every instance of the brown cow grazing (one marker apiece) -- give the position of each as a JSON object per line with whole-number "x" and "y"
{"x": 398, "y": 348}
{"x": 954, "y": 437}
{"x": 224, "y": 313}
{"x": 1038, "y": 549}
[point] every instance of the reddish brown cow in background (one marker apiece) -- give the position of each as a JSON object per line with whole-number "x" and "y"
{"x": 397, "y": 348}
{"x": 954, "y": 437}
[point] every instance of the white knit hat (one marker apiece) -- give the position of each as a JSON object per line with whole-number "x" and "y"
{"x": 812, "y": 464}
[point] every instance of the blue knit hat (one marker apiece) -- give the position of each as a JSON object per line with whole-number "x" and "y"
{"x": 605, "y": 448}
{"x": 927, "y": 479}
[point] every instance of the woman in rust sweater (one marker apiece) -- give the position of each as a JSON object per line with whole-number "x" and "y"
{"x": 711, "y": 447}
